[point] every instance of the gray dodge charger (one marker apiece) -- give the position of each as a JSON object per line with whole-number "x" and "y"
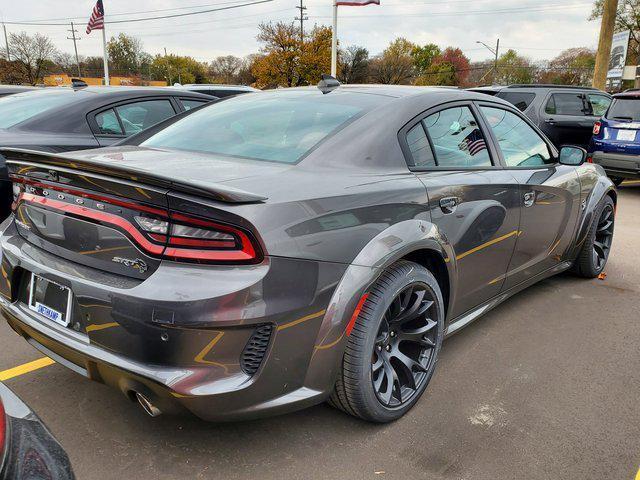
{"x": 286, "y": 248}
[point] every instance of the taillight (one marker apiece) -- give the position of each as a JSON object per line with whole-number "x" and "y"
{"x": 589, "y": 159}
{"x": 171, "y": 235}
{"x": 3, "y": 430}
{"x": 596, "y": 128}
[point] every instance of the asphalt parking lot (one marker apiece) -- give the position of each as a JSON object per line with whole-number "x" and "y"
{"x": 547, "y": 386}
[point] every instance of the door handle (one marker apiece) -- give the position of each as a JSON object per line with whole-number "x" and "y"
{"x": 550, "y": 121}
{"x": 528, "y": 199}
{"x": 449, "y": 204}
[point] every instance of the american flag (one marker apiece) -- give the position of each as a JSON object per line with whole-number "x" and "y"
{"x": 473, "y": 143}
{"x": 96, "y": 22}
{"x": 357, "y": 3}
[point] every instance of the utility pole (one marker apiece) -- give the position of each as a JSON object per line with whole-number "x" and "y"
{"x": 75, "y": 46}
{"x": 495, "y": 64}
{"x": 6, "y": 41}
{"x": 607, "y": 26}
{"x": 496, "y": 53}
{"x": 302, "y": 19}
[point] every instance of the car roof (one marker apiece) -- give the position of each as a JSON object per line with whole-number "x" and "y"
{"x": 631, "y": 93}
{"x": 218, "y": 86}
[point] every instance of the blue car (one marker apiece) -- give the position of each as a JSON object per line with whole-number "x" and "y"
{"x": 616, "y": 138}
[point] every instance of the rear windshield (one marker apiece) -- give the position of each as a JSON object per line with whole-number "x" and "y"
{"x": 625, "y": 109}
{"x": 15, "y": 109}
{"x": 277, "y": 126}
{"x": 521, "y": 100}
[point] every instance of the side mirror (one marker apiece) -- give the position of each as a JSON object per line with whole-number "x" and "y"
{"x": 572, "y": 155}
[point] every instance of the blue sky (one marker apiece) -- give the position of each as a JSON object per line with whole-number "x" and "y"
{"x": 537, "y": 29}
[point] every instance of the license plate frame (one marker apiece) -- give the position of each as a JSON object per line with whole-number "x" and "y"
{"x": 626, "y": 135}
{"x": 39, "y": 286}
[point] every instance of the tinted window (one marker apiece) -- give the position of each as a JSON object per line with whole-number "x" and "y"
{"x": 565, "y": 104}
{"x": 625, "y": 109}
{"x": 108, "y": 123}
{"x": 598, "y": 104}
{"x": 189, "y": 104}
{"x": 20, "y": 107}
{"x": 139, "y": 116}
{"x": 279, "y": 126}
{"x": 457, "y": 139}
{"x": 419, "y": 147}
{"x": 521, "y": 100}
{"x": 520, "y": 144}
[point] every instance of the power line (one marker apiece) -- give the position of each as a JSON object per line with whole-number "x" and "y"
{"x": 145, "y": 19}
{"x": 302, "y": 19}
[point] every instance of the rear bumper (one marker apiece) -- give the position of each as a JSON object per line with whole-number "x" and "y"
{"x": 618, "y": 164}
{"x": 178, "y": 336}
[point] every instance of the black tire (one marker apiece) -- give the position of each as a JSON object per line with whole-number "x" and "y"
{"x": 617, "y": 180}
{"x": 594, "y": 254}
{"x": 411, "y": 323}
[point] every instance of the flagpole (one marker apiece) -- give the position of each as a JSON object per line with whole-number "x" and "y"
{"x": 105, "y": 59}
{"x": 334, "y": 41}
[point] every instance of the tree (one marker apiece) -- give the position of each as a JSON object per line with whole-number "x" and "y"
{"x": 125, "y": 54}
{"x": 353, "y": 65}
{"x": 11, "y": 73}
{"x": 574, "y": 66}
{"x": 449, "y": 68}
{"x": 627, "y": 18}
{"x": 176, "y": 68}
{"x": 395, "y": 64}
{"x": 225, "y": 69}
{"x": 315, "y": 58}
{"x": 423, "y": 56}
{"x": 31, "y": 53}
{"x": 279, "y": 63}
{"x": 245, "y": 75}
{"x": 513, "y": 68}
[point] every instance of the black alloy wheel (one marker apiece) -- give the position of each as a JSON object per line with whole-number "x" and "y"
{"x": 603, "y": 237}
{"x": 392, "y": 350}
{"x": 405, "y": 345}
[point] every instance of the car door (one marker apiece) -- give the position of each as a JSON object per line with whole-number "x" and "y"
{"x": 472, "y": 200}
{"x": 549, "y": 193}
{"x": 116, "y": 122}
{"x": 564, "y": 118}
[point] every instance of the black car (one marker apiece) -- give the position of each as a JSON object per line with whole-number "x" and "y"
{"x": 13, "y": 89}
{"x": 217, "y": 90}
{"x": 27, "y": 449}
{"x": 566, "y": 114}
{"x": 61, "y": 119}
{"x": 288, "y": 247}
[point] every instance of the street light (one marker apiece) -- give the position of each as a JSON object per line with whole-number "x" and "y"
{"x": 495, "y": 52}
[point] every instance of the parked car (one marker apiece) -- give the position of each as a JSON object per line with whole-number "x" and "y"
{"x": 63, "y": 119}
{"x": 27, "y": 449}
{"x": 280, "y": 249}
{"x": 616, "y": 139}
{"x": 566, "y": 114}
{"x": 217, "y": 90}
{"x": 12, "y": 89}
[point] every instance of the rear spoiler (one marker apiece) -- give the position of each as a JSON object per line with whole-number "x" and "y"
{"x": 72, "y": 164}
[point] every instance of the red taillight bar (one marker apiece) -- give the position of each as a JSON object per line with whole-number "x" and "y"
{"x": 172, "y": 247}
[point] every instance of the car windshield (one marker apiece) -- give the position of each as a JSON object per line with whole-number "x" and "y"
{"x": 625, "y": 109}
{"x": 275, "y": 126}
{"x": 15, "y": 109}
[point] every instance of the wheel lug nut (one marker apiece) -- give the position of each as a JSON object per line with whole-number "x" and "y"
{"x": 393, "y": 334}
{"x": 379, "y": 347}
{"x": 388, "y": 348}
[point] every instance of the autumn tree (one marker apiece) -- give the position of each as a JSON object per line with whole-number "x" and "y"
{"x": 225, "y": 69}
{"x": 281, "y": 51}
{"x": 395, "y": 64}
{"x": 423, "y": 57}
{"x": 31, "y": 53}
{"x": 451, "y": 67}
{"x": 176, "y": 68}
{"x": 353, "y": 65}
{"x": 315, "y": 58}
{"x": 512, "y": 68}
{"x": 574, "y": 66}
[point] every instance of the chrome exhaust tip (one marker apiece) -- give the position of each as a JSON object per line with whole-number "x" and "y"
{"x": 147, "y": 406}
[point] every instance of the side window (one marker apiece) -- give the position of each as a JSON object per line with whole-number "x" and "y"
{"x": 457, "y": 139}
{"x": 520, "y": 144}
{"x": 419, "y": 147}
{"x": 599, "y": 104}
{"x": 139, "y": 116}
{"x": 521, "y": 100}
{"x": 565, "y": 104}
{"x": 108, "y": 123}
{"x": 188, "y": 104}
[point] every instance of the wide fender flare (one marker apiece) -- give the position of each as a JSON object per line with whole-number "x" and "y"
{"x": 603, "y": 187}
{"x": 383, "y": 250}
